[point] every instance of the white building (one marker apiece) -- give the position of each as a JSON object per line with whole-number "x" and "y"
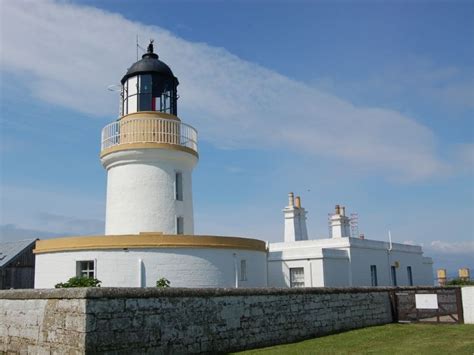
{"x": 342, "y": 260}
{"x": 149, "y": 156}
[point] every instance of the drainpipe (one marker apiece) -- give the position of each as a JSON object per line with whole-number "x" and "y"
{"x": 140, "y": 273}
{"x": 236, "y": 271}
{"x": 267, "y": 247}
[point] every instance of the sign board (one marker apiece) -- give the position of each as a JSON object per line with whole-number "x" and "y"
{"x": 426, "y": 301}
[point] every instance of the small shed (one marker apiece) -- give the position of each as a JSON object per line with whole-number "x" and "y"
{"x": 17, "y": 264}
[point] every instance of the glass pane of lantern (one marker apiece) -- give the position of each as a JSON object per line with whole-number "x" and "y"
{"x": 157, "y": 105}
{"x": 132, "y": 104}
{"x": 145, "y": 84}
{"x": 145, "y": 102}
{"x": 165, "y": 102}
{"x": 132, "y": 85}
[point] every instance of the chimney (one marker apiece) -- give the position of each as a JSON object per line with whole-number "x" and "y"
{"x": 441, "y": 273}
{"x": 340, "y": 224}
{"x": 295, "y": 220}
{"x": 361, "y": 236}
{"x": 464, "y": 274}
{"x": 291, "y": 199}
{"x": 298, "y": 202}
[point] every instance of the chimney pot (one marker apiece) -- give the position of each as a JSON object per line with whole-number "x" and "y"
{"x": 298, "y": 202}
{"x": 291, "y": 199}
{"x": 338, "y": 209}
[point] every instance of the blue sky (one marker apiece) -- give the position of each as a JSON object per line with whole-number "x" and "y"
{"x": 365, "y": 104}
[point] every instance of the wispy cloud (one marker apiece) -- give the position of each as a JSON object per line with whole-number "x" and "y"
{"x": 56, "y": 211}
{"x": 413, "y": 77}
{"x": 232, "y": 102}
{"x": 442, "y": 247}
{"x": 451, "y": 255}
{"x": 12, "y": 232}
{"x": 464, "y": 154}
{"x": 73, "y": 225}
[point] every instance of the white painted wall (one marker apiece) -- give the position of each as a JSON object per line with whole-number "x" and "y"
{"x": 336, "y": 271}
{"x": 346, "y": 262}
{"x": 184, "y": 267}
{"x": 279, "y": 272}
{"x": 467, "y": 293}
{"x": 322, "y": 267}
{"x": 364, "y": 253}
{"x": 141, "y": 191}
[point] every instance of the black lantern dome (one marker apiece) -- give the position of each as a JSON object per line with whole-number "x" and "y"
{"x": 149, "y": 85}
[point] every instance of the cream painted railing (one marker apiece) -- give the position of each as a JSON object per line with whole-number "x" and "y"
{"x": 149, "y": 130}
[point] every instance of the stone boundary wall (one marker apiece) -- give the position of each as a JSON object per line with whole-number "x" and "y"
{"x": 137, "y": 320}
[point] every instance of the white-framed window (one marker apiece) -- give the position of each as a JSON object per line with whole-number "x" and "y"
{"x": 297, "y": 277}
{"x": 85, "y": 268}
{"x": 178, "y": 184}
{"x": 243, "y": 270}
{"x": 409, "y": 276}
{"x": 373, "y": 275}
{"x": 179, "y": 225}
{"x": 393, "y": 270}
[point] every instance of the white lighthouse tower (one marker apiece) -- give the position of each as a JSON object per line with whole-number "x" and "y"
{"x": 149, "y": 155}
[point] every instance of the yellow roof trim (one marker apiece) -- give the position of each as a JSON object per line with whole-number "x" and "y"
{"x": 146, "y": 241}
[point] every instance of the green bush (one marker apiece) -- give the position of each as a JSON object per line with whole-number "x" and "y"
{"x": 163, "y": 283}
{"x": 460, "y": 282}
{"x": 79, "y": 281}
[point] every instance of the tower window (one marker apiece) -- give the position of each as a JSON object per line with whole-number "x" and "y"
{"x": 179, "y": 225}
{"x": 297, "y": 277}
{"x": 373, "y": 275}
{"x": 85, "y": 268}
{"x": 178, "y": 186}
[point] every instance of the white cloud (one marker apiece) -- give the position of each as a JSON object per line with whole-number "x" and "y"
{"x": 11, "y": 232}
{"x": 72, "y": 53}
{"x": 68, "y": 212}
{"x": 465, "y": 155}
{"x": 442, "y": 247}
{"x": 414, "y": 78}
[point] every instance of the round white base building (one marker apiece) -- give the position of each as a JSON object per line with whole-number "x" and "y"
{"x": 139, "y": 261}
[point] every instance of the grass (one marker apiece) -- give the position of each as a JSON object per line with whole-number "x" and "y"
{"x": 386, "y": 339}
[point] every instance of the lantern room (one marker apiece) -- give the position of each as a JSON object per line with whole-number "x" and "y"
{"x": 149, "y": 85}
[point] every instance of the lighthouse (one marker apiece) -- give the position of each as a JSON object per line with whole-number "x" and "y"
{"x": 149, "y": 155}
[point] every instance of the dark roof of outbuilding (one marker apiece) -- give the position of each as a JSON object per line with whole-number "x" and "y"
{"x": 9, "y": 250}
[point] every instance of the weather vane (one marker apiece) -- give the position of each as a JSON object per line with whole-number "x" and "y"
{"x": 150, "y": 46}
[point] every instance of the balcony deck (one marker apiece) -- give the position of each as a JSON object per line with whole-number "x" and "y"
{"x": 168, "y": 132}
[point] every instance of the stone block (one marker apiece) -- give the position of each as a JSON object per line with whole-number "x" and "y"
{"x": 75, "y": 322}
{"x": 105, "y": 306}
